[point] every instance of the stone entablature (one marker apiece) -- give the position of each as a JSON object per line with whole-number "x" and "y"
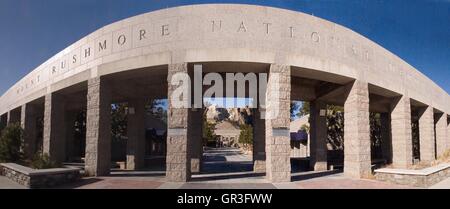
{"x": 419, "y": 178}
{"x": 43, "y": 178}
{"x": 223, "y": 32}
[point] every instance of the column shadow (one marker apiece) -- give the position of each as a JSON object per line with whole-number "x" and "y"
{"x": 313, "y": 174}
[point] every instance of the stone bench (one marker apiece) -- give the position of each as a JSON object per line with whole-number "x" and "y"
{"x": 418, "y": 178}
{"x": 42, "y": 178}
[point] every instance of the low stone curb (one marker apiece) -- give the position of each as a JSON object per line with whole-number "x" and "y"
{"x": 42, "y": 178}
{"x": 418, "y": 178}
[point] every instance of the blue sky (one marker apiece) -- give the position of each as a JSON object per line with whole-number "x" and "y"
{"x": 32, "y": 31}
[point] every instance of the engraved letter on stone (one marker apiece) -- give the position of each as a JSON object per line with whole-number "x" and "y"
{"x": 242, "y": 27}
{"x": 121, "y": 40}
{"x": 101, "y": 46}
{"x": 217, "y": 25}
{"x": 87, "y": 52}
{"x": 142, "y": 34}
{"x": 165, "y": 30}
{"x": 267, "y": 27}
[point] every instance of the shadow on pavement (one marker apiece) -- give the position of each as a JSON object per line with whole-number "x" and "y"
{"x": 80, "y": 183}
{"x": 227, "y": 176}
{"x": 311, "y": 175}
{"x": 151, "y": 172}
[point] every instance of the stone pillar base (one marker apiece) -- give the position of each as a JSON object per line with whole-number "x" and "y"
{"x": 278, "y": 146}
{"x": 28, "y": 123}
{"x": 357, "y": 157}
{"x": 98, "y": 128}
{"x": 402, "y": 155}
{"x": 195, "y": 165}
{"x": 386, "y": 142}
{"x": 136, "y": 135}
{"x": 318, "y": 137}
{"x": 178, "y": 157}
{"x": 196, "y": 143}
{"x": 426, "y": 132}
{"x": 320, "y": 166}
{"x": 54, "y": 135}
{"x": 259, "y": 153}
{"x": 441, "y": 134}
{"x": 259, "y": 166}
{"x": 177, "y": 162}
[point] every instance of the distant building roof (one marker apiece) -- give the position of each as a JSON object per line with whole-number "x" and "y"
{"x": 297, "y": 124}
{"x": 225, "y": 128}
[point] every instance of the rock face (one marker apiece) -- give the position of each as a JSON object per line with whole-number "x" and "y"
{"x": 235, "y": 115}
{"x": 227, "y": 122}
{"x": 240, "y": 115}
{"x": 215, "y": 114}
{"x": 211, "y": 113}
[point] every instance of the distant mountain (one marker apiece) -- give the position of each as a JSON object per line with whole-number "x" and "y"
{"x": 235, "y": 115}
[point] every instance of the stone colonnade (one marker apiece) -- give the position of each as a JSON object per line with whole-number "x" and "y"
{"x": 272, "y": 138}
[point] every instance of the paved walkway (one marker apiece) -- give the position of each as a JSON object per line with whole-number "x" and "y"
{"x": 225, "y": 168}
{"x": 116, "y": 183}
{"x": 5, "y": 183}
{"x": 335, "y": 181}
{"x": 227, "y": 165}
{"x": 122, "y": 180}
{"x": 226, "y": 160}
{"x": 339, "y": 181}
{"x": 442, "y": 185}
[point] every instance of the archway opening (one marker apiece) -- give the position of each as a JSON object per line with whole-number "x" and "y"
{"x": 320, "y": 97}
{"x": 300, "y": 135}
{"x": 232, "y": 132}
{"x": 139, "y": 121}
{"x": 153, "y": 142}
{"x": 228, "y": 137}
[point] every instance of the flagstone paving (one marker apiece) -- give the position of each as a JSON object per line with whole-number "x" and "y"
{"x": 240, "y": 177}
{"x": 340, "y": 182}
{"x": 5, "y": 183}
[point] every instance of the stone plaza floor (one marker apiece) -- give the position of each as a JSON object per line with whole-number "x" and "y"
{"x": 5, "y": 183}
{"x": 225, "y": 169}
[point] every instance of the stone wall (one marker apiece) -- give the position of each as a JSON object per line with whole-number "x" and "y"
{"x": 54, "y": 128}
{"x": 178, "y": 163}
{"x": 357, "y": 162}
{"x": 259, "y": 144}
{"x": 197, "y": 144}
{"x": 45, "y": 178}
{"x": 15, "y": 176}
{"x": 401, "y": 133}
{"x": 28, "y": 124}
{"x": 441, "y": 133}
{"x": 136, "y": 135}
{"x": 417, "y": 178}
{"x": 318, "y": 133}
{"x": 278, "y": 98}
{"x": 98, "y": 128}
{"x": 426, "y": 134}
